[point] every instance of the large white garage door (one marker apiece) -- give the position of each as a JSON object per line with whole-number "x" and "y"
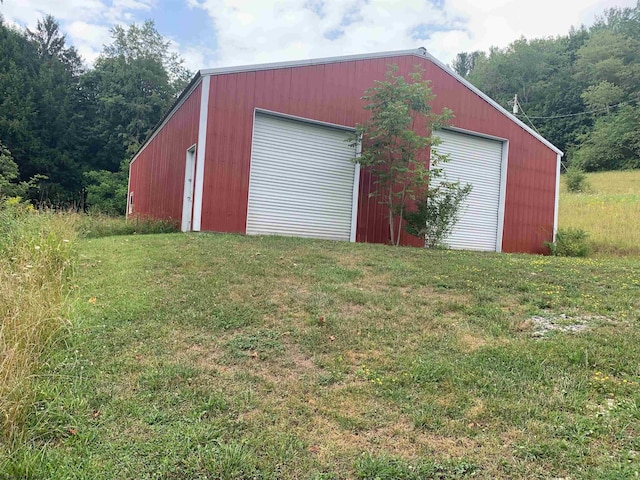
{"x": 476, "y": 161}
{"x": 302, "y": 179}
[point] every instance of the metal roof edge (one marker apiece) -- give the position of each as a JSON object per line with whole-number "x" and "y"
{"x": 488, "y": 99}
{"x": 188, "y": 90}
{"x": 315, "y": 61}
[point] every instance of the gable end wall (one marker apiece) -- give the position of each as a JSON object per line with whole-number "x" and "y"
{"x": 332, "y": 93}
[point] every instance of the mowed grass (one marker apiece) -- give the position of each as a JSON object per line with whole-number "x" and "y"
{"x": 609, "y": 211}
{"x": 222, "y": 356}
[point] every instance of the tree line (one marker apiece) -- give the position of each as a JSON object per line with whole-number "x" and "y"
{"x": 581, "y": 90}
{"x": 67, "y": 132}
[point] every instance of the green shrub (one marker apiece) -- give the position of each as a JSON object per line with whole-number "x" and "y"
{"x": 435, "y": 218}
{"x": 576, "y": 180}
{"x": 107, "y": 191}
{"x": 570, "y": 242}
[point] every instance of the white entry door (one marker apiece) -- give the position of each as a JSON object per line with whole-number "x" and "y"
{"x": 303, "y": 180}
{"x": 187, "y": 200}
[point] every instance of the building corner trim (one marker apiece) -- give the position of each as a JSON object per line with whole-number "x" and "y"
{"x": 504, "y": 173}
{"x": 556, "y": 208}
{"x": 200, "y": 154}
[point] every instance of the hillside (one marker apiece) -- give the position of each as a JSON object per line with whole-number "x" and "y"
{"x": 609, "y": 211}
{"x": 220, "y": 356}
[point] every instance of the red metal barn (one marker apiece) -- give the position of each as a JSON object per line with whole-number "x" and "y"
{"x": 261, "y": 150}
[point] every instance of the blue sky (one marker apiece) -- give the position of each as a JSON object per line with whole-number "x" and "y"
{"x": 212, "y": 33}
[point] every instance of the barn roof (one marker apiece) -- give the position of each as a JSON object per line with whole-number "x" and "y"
{"x": 418, "y": 52}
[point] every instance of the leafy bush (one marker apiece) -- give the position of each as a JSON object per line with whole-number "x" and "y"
{"x": 576, "y": 180}
{"x": 9, "y": 184}
{"x": 570, "y": 242}
{"x": 435, "y": 218}
{"x": 107, "y": 191}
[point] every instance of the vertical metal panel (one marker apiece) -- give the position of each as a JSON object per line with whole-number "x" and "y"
{"x": 556, "y": 206}
{"x": 158, "y": 172}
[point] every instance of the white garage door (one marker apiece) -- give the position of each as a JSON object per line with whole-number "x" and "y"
{"x": 476, "y": 161}
{"x": 302, "y": 179}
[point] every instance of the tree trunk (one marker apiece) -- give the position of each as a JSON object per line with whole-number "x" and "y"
{"x": 399, "y": 226}
{"x": 391, "y": 226}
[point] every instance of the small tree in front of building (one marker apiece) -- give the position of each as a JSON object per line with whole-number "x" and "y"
{"x": 393, "y": 151}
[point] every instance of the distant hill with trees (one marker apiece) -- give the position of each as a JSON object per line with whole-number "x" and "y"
{"x": 580, "y": 90}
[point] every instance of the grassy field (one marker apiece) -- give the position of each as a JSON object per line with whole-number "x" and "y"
{"x": 220, "y": 356}
{"x": 609, "y": 211}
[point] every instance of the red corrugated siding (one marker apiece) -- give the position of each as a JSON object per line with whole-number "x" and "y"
{"x": 157, "y": 174}
{"x": 331, "y": 93}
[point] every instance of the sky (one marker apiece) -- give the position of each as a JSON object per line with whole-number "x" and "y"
{"x": 221, "y": 33}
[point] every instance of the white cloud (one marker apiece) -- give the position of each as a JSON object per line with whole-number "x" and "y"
{"x": 255, "y": 31}
{"x": 88, "y": 38}
{"x": 85, "y": 22}
{"x": 500, "y": 22}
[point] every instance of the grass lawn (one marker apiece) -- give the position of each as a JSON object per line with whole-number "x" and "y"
{"x": 609, "y": 211}
{"x": 221, "y": 356}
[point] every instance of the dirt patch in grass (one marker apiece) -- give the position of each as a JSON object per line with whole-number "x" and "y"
{"x": 471, "y": 342}
{"x": 192, "y": 348}
{"x": 476, "y": 410}
{"x": 430, "y": 293}
{"x": 452, "y": 447}
{"x": 286, "y": 371}
{"x": 351, "y": 310}
{"x": 398, "y": 439}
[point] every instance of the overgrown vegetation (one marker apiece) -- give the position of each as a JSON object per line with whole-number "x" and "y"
{"x": 98, "y": 225}
{"x": 609, "y": 211}
{"x": 37, "y": 255}
{"x": 223, "y": 356}
{"x": 36, "y": 258}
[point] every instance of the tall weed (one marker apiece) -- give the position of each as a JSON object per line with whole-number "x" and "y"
{"x": 36, "y": 259}
{"x": 96, "y": 225}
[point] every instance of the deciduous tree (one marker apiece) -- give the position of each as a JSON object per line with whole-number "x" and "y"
{"x": 393, "y": 151}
